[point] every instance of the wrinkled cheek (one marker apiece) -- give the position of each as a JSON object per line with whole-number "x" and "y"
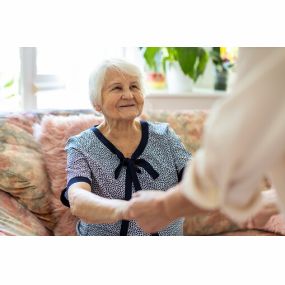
{"x": 141, "y": 103}
{"x": 140, "y": 107}
{"x": 139, "y": 98}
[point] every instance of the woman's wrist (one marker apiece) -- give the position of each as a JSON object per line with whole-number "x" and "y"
{"x": 94, "y": 209}
{"x": 119, "y": 209}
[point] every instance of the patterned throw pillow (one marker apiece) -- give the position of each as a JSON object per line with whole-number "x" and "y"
{"x": 188, "y": 125}
{"x": 52, "y": 135}
{"x": 23, "y": 172}
{"x": 24, "y": 121}
{"x": 16, "y": 220}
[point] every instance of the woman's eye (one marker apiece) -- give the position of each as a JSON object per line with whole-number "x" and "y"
{"x": 117, "y": 88}
{"x": 134, "y": 87}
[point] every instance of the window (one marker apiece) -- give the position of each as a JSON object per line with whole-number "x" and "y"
{"x": 9, "y": 79}
{"x": 63, "y": 73}
{"x": 53, "y": 77}
{"x": 57, "y": 77}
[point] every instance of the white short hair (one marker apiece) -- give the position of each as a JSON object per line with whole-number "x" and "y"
{"x": 97, "y": 77}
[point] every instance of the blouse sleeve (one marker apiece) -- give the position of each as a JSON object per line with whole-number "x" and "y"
{"x": 77, "y": 168}
{"x": 243, "y": 138}
{"x": 180, "y": 155}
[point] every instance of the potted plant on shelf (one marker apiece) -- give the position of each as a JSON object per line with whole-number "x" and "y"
{"x": 223, "y": 62}
{"x": 182, "y": 65}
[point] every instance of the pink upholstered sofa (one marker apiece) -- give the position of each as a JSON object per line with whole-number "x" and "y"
{"x": 32, "y": 172}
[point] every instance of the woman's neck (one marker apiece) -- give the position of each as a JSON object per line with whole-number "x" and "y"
{"x": 120, "y": 129}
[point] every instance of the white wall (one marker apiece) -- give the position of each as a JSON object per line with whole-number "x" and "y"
{"x": 194, "y": 100}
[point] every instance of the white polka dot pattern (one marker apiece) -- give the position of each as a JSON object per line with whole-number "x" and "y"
{"x": 89, "y": 157}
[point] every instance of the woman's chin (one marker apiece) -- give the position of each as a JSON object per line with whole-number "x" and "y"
{"x": 130, "y": 115}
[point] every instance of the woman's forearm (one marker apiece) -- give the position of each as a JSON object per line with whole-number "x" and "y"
{"x": 94, "y": 209}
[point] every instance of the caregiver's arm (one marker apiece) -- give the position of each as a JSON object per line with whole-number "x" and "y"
{"x": 92, "y": 208}
{"x": 243, "y": 138}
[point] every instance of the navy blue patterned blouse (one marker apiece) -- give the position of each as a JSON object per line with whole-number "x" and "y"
{"x": 156, "y": 164}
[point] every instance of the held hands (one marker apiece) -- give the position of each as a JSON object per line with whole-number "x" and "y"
{"x": 153, "y": 210}
{"x": 148, "y": 209}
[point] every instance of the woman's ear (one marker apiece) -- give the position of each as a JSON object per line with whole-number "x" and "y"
{"x": 97, "y": 108}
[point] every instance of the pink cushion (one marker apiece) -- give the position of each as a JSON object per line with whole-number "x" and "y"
{"x": 276, "y": 224}
{"x": 52, "y": 134}
{"x": 66, "y": 225}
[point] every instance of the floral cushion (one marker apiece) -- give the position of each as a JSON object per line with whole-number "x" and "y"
{"x": 208, "y": 224}
{"x": 188, "y": 125}
{"x": 23, "y": 173}
{"x": 23, "y": 121}
{"x": 15, "y": 219}
{"x": 249, "y": 233}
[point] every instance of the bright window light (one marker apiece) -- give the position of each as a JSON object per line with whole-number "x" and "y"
{"x": 63, "y": 74}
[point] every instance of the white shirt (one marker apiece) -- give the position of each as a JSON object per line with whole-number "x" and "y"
{"x": 244, "y": 139}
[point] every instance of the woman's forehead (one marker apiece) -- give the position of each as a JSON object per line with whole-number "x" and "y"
{"x": 113, "y": 76}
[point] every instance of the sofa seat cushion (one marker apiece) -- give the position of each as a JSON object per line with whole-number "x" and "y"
{"x": 15, "y": 219}
{"x": 23, "y": 173}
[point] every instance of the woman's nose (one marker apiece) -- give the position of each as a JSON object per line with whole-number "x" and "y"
{"x": 128, "y": 94}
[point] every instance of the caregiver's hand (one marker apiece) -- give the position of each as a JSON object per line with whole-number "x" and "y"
{"x": 149, "y": 210}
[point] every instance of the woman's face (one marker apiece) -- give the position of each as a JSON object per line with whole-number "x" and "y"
{"x": 122, "y": 97}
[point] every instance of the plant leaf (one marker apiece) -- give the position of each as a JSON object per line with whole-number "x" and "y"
{"x": 149, "y": 55}
{"x": 202, "y": 62}
{"x": 9, "y": 83}
{"x": 187, "y": 59}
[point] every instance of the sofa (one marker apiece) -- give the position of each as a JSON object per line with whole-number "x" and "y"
{"x": 32, "y": 172}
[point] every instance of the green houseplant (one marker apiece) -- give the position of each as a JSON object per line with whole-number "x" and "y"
{"x": 192, "y": 60}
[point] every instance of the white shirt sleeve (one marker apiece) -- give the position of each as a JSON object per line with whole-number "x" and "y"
{"x": 244, "y": 138}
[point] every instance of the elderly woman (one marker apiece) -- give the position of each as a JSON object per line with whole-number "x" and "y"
{"x": 107, "y": 163}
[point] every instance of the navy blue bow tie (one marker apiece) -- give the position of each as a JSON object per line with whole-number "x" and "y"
{"x": 133, "y": 168}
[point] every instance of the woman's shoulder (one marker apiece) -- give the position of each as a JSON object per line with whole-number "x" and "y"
{"x": 79, "y": 140}
{"x": 158, "y": 128}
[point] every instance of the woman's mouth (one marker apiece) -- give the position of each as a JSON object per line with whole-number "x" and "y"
{"x": 126, "y": 106}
